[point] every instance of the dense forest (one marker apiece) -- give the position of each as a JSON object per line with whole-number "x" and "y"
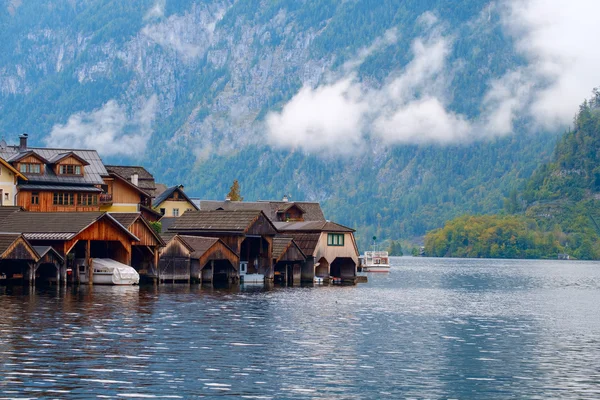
{"x": 557, "y": 210}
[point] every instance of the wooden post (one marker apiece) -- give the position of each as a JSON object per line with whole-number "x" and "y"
{"x": 31, "y": 274}
{"x": 88, "y": 262}
{"x": 156, "y": 260}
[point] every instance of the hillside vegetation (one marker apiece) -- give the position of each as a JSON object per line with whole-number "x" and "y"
{"x": 557, "y": 211}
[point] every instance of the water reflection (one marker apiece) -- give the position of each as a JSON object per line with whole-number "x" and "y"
{"x": 428, "y": 329}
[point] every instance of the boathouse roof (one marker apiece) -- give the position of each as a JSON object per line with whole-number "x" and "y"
{"x": 239, "y": 221}
{"x": 311, "y": 211}
{"x": 53, "y": 225}
{"x": 307, "y": 242}
{"x": 281, "y": 245}
{"x": 16, "y": 247}
{"x": 5, "y": 211}
{"x": 311, "y": 226}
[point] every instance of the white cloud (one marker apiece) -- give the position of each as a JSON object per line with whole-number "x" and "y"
{"x": 328, "y": 117}
{"x": 107, "y": 130}
{"x": 558, "y": 41}
{"x": 410, "y": 107}
{"x": 157, "y": 11}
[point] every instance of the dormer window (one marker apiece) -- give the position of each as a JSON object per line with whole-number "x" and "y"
{"x": 69, "y": 169}
{"x": 30, "y": 168}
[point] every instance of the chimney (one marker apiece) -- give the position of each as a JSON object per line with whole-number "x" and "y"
{"x": 285, "y": 198}
{"x": 134, "y": 179}
{"x": 23, "y": 142}
{"x": 227, "y": 198}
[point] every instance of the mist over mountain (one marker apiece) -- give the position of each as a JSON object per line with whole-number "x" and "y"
{"x": 396, "y": 115}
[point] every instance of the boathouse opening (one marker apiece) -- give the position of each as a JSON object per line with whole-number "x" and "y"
{"x": 343, "y": 267}
{"x": 14, "y": 272}
{"x": 255, "y": 251}
{"x": 322, "y": 268}
{"x": 47, "y": 273}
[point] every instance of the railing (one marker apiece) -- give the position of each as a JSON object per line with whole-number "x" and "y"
{"x": 106, "y": 198}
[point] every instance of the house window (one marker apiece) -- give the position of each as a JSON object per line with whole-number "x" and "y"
{"x": 63, "y": 199}
{"x": 88, "y": 199}
{"x": 335, "y": 239}
{"x": 176, "y": 212}
{"x": 35, "y": 198}
{"x": 30, "y": 168}
{"x": 70, "y": 169}
{"x": 6, "y": 196}
{"x": 162, "y": 211}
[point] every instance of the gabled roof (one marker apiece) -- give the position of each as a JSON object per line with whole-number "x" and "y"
{"x": 12, "y": 169}
{"x": 93, "y": 172}
{"x": 312, "y": 211}
{"x": 217, "y": 221}
{"x": 8, "y": 239}
{"x": 129, "y": 184}
{"x": 281, "y": 244}
{"x": 287, "y": 206}
{"x": 311, "y": 226}
{"x": 165, "y": 195}
{"x": 61, "y": 156}
{"x": 43, "y": 250}
{"x": 307, "y": 242}
{"x": 128, "y": 219}
{"x": 198, "y": 244}
{"x": 145, "y": 179}
{"x": 21, "y": 155}
{"x": 54, "y": 225}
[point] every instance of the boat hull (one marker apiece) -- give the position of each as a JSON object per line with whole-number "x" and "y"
{"x": 377, "y": 268}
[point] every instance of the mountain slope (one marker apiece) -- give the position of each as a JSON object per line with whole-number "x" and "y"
{"x": 184, "y": 88}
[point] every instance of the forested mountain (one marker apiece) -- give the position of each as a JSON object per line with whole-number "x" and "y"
{"x": 557, "y": 210}
{"x": 205, "y": 92}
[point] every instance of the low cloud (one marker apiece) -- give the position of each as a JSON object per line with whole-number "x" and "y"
{"x": 557, "y": 41}
{"x": 561, "y": 68}
{"x": 410, "y": 107}
{"x": 108, "y": 130}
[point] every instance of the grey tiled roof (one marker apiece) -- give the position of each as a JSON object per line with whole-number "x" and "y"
{"x": 311, "y": 226}
{"x": 145, "y": 178}
{"x": 6, "y": 240}
{"x": 52, "y": 225}
{"x": 217, "y": 221}
{"x": 126, "y": 219}
{"x": 306, "y": 241}
{"x": 199, "y": 244}
{"x": 312, "y": 211}
{"x": 43, "y": 250}
{"x": 93, "y": 172}
{"x": 5, "y": 211}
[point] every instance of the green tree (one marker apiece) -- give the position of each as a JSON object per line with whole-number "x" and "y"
{"x": 234, "y": 192}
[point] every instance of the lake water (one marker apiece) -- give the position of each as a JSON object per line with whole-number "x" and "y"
{"x": 431, "y": 328}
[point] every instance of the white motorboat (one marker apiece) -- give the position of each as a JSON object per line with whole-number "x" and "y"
{"x": 110, "y": 272}
{"x": 376, "y": 261}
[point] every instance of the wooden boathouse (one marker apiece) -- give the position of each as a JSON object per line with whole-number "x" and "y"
{"x": 287, "y": 260}
{"x": 197, "y": 259}
{"x": 76, "y": 237}
{"x": 248, "y": 233}
{"x": 145, "y": 252}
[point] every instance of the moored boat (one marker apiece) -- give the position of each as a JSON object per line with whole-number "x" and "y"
{"x": 110, "y": 272}
{"x": 376, "y": 261}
